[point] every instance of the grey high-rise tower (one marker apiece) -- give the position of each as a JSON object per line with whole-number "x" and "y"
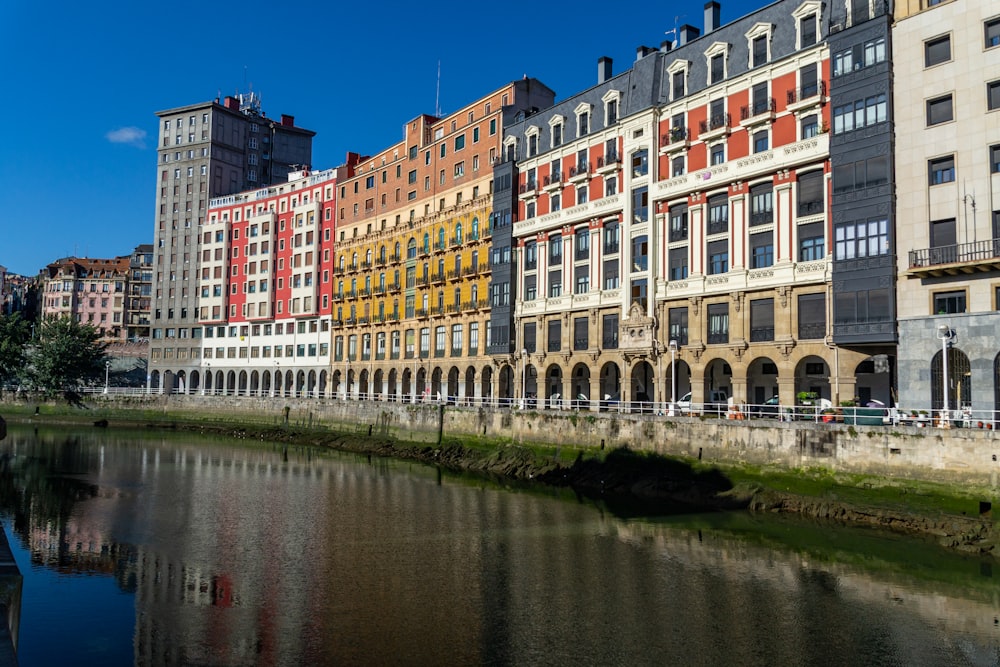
{"x": 206, "y": 150}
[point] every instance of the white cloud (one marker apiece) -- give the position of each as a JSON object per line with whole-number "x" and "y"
{"x": 133, "y": 136}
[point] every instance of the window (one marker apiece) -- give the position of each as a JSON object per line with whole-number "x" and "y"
{"x": 640, "y": 253}
{"x": 678, "y": 222}
{"x": 992, "y": 28}
{"x": 611, "y": 277}
{"x": 640, "y": 205}
{"x": 717, "y": 68}
{"x": 554, "y": 335}
{"x": 718, "y": 257}
{"x": 677, "y": 166}
{"x": 949, "y": 303}
{"x": 718, "y": 214}
{"x": 582, "y": 123}
{"x": 609, "y": 332}
{"x": 941, "y": 170}
{"x": 939, "y": 110}
{"x": 943, "y": 235}
{"x": 677, "y": 83}
{"x": 937, "y": 51}
{"x": 993, "y": 95}
{"x": 811, "y": 245}
{"x": 995, "y": 159}
{"x": 459, "y": 142}
{"x": 580, "y": 333}
{"x": 678, "y": 321}
{"x": 862, "y": 174}
{"x": 718, "y": 323}
{"x": 581, "y": 277}
{"x": 812, "y": 316}
{"x": 860, "y": 113}
{"x": 678, "y": 260}
{"x": 528, "y": 337}
{"x": 760, "y": 143}
{"x": 759, "y": 51}
{"x": 761, "y": 250}
{"x": 861, "y": 239}
{"x": 761, "y": 320}
{"x": 640, "y": 163}
{"x": 761, "y": 204}
{"x": 807, "y": 31}
{"x": 810, "y": 126}
{"x": 717, "y": 154}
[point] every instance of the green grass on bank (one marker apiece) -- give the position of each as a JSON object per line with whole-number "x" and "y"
{"x": 881, "y": 492}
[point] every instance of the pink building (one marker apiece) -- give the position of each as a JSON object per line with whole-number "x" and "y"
{"x": 91, "y": 291}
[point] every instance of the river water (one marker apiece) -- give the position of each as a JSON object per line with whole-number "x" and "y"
{"x": 172, "y": 549}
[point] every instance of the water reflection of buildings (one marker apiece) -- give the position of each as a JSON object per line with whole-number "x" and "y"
{"x": 236, "y": 556}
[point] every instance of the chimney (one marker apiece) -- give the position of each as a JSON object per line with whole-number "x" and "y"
{"x": 232, "y": 103}
{"x": 687, "y": 34}
{"x": 666, "y": 45}
{"x": 642, "y": 51}
{"x": 287, "y": 121}
{"x": 603, "y": 69}
{"x": 711, "y": 16}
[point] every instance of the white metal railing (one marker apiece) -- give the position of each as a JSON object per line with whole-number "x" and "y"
{"x": 854, "y": 415}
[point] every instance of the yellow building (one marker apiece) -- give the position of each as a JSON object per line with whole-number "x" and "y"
{"x": 412, "y": 257}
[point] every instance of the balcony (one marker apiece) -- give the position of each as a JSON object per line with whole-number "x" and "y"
{"x": 678, "y": 233}
{"x": 761, "y": 334}
{"x": 807, "y": 208}
{"x": 761, "y": 218}
{"x": 609, "y": 342}
{"x": 579, "y": 173}
{"x": 812, "y": 331}
{"x": 761, "y": 111}
{"x": 718, "y": 338}
{"x": 394, "y": 258}
{"x": 552, "y": 182}
{"x": 805, "y": 97}
{"x": 718, "y": 226}
{"x": 438, "y": 277}
{"x": 714, "y": 127}
{"x": 953, "y": 260}
{"x": 678, "y": 138}
{"x": 608, "y": 163}
{"x": 528, "y": 189}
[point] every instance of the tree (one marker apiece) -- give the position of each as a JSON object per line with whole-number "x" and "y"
{"x": 67, "y": 354}
{"x": 14, "y": 335}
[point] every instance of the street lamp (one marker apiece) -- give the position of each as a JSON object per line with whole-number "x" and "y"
{"x": 107, "y": 372}
{"x": 673, "y": 376}
{"x": 947, "y": 335}
{"x": 524, "y": 377}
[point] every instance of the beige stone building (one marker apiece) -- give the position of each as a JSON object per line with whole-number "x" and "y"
{"x": 946, "y": 60}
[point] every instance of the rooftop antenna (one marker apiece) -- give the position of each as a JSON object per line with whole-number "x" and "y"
{"x": 437, "y": 94}
{"x": 673, "y": 31}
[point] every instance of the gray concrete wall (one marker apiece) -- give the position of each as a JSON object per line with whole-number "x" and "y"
{"x": 963, "y": 456}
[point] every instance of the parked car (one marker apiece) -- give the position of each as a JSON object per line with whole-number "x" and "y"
{"x": 769, "y": 408}
{"x": 716, "y": 402}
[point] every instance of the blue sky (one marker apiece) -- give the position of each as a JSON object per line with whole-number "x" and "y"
{"x": 83, "y": 82}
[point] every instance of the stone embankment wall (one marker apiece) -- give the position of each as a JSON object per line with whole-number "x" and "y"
{"x": 959, "y": 455}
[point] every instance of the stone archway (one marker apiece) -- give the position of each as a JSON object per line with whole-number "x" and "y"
{"x": 470, "y": 384}
{"x": 643, "y": 387}
{"x": 554, "y": 392}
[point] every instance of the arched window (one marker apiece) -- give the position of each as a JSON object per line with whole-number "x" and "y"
{"x": 427, "y": 243}
{"x": 341, "y": 262}
{"x": 441, "y": 238}
{"x": 458, "y": 232}
{"x": 354, "y": 285}
{"x": 959, "y": 380}
{"x": 474, "y": 293}
{"x": 381, "y": 254}
{"x": 411, "y": 249}
{"x": 368, "y": 256}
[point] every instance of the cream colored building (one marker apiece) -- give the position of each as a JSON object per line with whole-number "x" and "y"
{"x": 947, "y": 167}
